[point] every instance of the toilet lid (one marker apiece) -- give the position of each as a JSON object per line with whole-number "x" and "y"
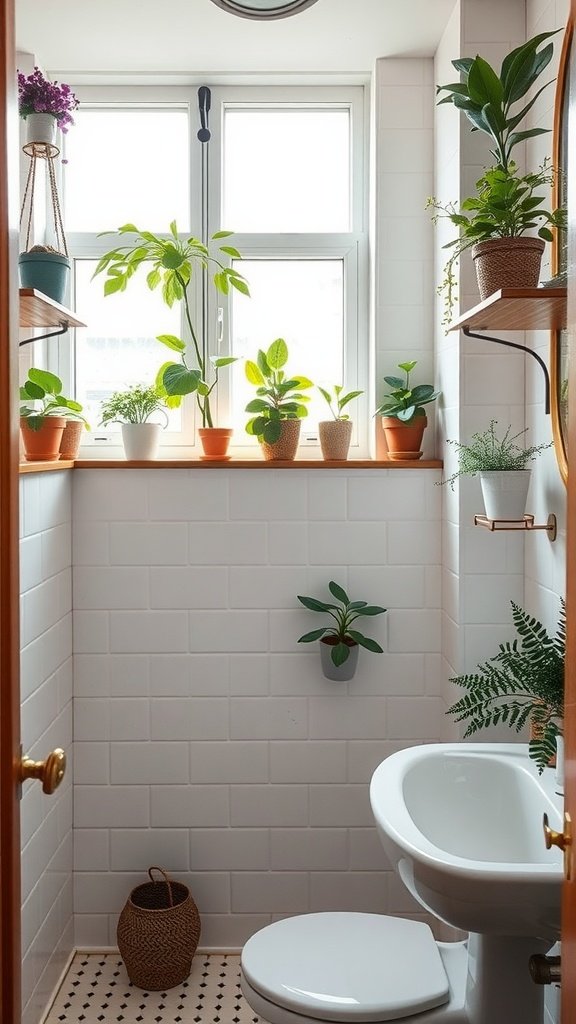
{"x": 347, "y": 967}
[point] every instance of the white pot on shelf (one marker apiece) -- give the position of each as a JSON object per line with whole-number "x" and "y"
{"x": 141, "y": 440}
{"x": 505, "y": 493}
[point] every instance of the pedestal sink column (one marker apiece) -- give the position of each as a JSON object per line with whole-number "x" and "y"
{"x": 499, "y": 986}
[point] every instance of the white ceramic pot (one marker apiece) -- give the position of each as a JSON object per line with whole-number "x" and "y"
{"x": 505, "y": 493}
{"x": 559, "y": 775}
{"x": 41, "y": 128}
{"x": 141, "y": 440}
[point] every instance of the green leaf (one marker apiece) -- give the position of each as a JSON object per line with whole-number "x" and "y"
{"x": 365, "y": 641}
{"x": 463, "y": 64}
{"x": 231, "y": 251}
{"x": 394, "y": 382}
{"x": 239, "y": 284}
{"x": 49, "y": 381}
{"x": 338, "y": 592}
{"x": 31, "y": 390}
{"x": 272, "y": 430}
{"x": 153, "y": 279}
{"x": 221, "y": 282}
{"x": 219, "y": 361}
{"x": 172, "y": 259}
{"x": 171, "y": 341}
{"x": 222, "y": 234}
{"x": 256, "y": 405}
{"x": 314, "y": 634}
{"x": 484, "y": 85}
{"x": 373, "y": 609}
{"x": 408, "y": 367}
{"x": 114, "y": 284}
{"x": 263, "y": 364}
{"x": 277, "y": 354}
{"x": 339, "y": 654}
{"x": 253, "y": 373}
{"x": 314, "y": 605}
{"x": 406, "y": 414}
{"x": 178, "y": 380}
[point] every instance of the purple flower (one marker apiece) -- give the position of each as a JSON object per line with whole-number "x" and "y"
{"x": 38, "y": 95}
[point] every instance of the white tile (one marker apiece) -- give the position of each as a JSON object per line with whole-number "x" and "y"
{"x": 308, "y": 761}
{"x": 110, "y": 495}
{"x": 306, "y": 849}
{"x": 228, "y": 631}
{"x": 91, "y": 632}
{"x": 298, "y": 674}
{"x": 189, "y": 806}
{"x": 385, "y": 496}
{"x": 327, "y": 496}
{"x": 401, "y": 70}
{"x": 136, "y": 849}
{"x": 148, "y": 543}
{"x": 223, "y": 931}
{"x": 56, "y": 549}
{"x": 341, "y": 717}
{"x": 40, "y": 610}
{"x": 249, "y": 675}
{"x": 91, "y": 930}
{"x": 266, "y": 892}
{"x": 415, "y": 718}
{"x": 222, "y": 762}
{"x": 188, "y": 587}
{"x": 255, "y": 718}
{"x": 224, "y": 543}
{"x": 414, "y": 631}
{"x": 130, "y": 719}
{"x": 91, "y": 763}
{"x": 91, "y": 849}
{"x": 55, "y": 500}
{"x": 148, "y": 763}
{"x": 211, "y": 891}
{"x": 337, "y": 806}
{"x": 109, "y": 587}
{"x": 90, "y": 543}
{"x": 401, "y": 107}
{"x": 129, "y": 675}
{"x": 486, "y": 598}
{"x": 31, "y": 573}
{"x": 97, "y": 891}
{"x": 268, "y": 496}
{"x": 358, "y": 891}
{"x": 268, "y": 805}
{"x": 38, "y": 712}
{"x": 199, "y": 675}
{"x": 364, "y": 756}
{"x": 154, "y": 632}
{"x": 229, "y": 849}
{"x": 364, "y": 543}
{"x": 264, "y": 586}
{"x": 91, "y": 719}
{"x": 187, "y": 496}
{"x": 366, "y": 851}
{"x": 30, "y": 502}
{"x": 398, "y": 586}
{"x": 202, "y": 718}
{"x": 287, "y": 544}
{"x": 414, "y": 544}
{"x": 385, "y": 674}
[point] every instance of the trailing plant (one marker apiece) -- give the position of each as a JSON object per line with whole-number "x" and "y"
{"x": 506, "y": 205}
{"x": 404, "y": 402}
{"x": 486, "y": 453}
{"x": 37, "y": 95}
{"x": 339, "y": 400}
{"x": 171, "y": 265}
{"x": 135, "y": 405}
{"x": 523, "y": 682}
{"x": 279, "y": 396}
{"x": 344, "y": 614}
{"x": 46, "y": 388}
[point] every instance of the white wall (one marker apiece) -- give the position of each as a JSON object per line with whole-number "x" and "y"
{"x": 206, "y": 739}
{"x": 46, "y": 689}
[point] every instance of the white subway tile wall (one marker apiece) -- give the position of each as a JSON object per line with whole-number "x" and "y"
{"x": 207, "y": 738}
{"x": 46, "y": 723}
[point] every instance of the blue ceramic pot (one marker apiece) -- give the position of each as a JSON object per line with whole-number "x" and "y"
{"x": 47, "y": 272}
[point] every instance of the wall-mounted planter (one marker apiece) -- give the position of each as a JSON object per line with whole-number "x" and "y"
{"x": 505, "y": 493}
{"x": 339, "y": 673}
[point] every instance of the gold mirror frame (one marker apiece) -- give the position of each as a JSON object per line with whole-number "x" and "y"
{"x": 559, "y": 339}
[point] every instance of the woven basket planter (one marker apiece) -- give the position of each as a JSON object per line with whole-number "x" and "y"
{"x": 507, "y": 263}
{"x": 158, "y": 932}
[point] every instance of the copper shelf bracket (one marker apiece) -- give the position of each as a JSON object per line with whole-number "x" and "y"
{"x": 527, "y": 523}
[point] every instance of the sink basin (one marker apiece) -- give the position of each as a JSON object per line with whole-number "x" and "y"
{"x": 462, "y": 824}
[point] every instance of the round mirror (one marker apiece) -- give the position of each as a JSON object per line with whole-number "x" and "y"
{"x": 259, "y": 10}
{"x": 559, "y": 339}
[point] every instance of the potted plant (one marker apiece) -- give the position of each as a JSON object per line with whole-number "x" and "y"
{"x": 340, "y": 643}
{"x": 280, "y": 404}
{"x": 44, "y": 106}
{"x": 502, "y": 465}
{"x": 42, "y": 427}
{"x": 132, "y": 409}
{"x": 171, "y": 263}
{"x": 495, "y": 222}
{"x": 335, "y": 434}
{"x": 403, "y": 417}
{"x": 524, "y": 682}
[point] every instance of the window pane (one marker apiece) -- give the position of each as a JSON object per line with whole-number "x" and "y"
{"x": 302, "y": 302}
{"x": 286, "y": 170}
{"x": 119, "y": 346}
{"x": 127, "y": 166}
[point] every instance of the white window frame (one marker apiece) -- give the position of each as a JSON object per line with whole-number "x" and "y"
{"x": 351, "y": 247}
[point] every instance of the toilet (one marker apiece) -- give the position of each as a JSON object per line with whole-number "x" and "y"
{"x": 345, "y": 967}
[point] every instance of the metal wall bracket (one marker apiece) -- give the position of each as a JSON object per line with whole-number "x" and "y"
{"x": 41, "y": 337}
{"x": 523, "y": 348}
{"x": 526, "y": 523}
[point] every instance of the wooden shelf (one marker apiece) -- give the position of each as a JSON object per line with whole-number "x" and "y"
{"x": 517, "y": 309}
{"x": 255, "y": 464}
{"x": 37, "y": 310}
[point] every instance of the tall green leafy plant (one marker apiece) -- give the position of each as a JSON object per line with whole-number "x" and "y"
{"x": 171, "y": 262}
{"x": 279, "y": 394}
{"x": 523, "y": 682}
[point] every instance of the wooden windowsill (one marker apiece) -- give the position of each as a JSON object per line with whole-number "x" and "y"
{"x": 352, "y": 464}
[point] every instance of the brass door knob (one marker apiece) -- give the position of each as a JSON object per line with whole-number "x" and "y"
{"x": 563, "y": 840}
{"x": 50, "y": 772}
{"x": 545, "y": 970}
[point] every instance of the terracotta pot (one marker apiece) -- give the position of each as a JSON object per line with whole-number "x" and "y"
{"x": 507, "y": 263}
{"x": 340, "y": 673}
{"x": 404, "y": 439}
{"x": 71, "y": 438}
{"x": 42, "y": 445}
{"x": 335, "y": 436}
{"x": 286, "y": 446}
{"x": 215, "y": 441}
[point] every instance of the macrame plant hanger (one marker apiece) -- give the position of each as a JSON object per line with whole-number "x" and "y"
{"x": 48, "y": 152}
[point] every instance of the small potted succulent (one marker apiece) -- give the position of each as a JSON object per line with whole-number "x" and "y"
{"x": 403, "y": 416}
{"x": 280, "y": 404}
{"x": 42, "y": 423}
{"x": 340, "y": 643}
{"x": 335, "y": 434}
{"x": 132, "y": 409}
{"x": 523, "y": 683}
{"x": 502, "y": 465}
{"x": 170, "y": 262}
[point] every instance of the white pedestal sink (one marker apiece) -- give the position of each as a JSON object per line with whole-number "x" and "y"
{"x": 462, "y": 824}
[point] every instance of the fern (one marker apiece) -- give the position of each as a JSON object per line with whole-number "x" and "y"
{"x": 523, "y": 682}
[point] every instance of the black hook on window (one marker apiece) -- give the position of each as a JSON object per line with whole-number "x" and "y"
{"x": 204, "y": 100}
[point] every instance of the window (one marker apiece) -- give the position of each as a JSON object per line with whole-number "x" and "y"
{"x": 284, "y": 170}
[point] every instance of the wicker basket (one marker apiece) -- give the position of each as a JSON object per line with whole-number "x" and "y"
{"x": 158, "y": 933}
{"x": 507, "y": 263}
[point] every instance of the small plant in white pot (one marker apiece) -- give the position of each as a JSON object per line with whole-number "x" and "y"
{"x": 340, "y": 643}
{"x": 502, "y": 465}
{"x": 132, "y": 409}
{"x": 335, "y": 434}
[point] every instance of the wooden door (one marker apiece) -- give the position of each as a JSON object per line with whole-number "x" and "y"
{"x": 9, "y": 587}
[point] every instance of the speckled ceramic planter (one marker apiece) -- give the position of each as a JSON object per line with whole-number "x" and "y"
{"x": 335, "y": 437}
{"x": 286, "y": 446}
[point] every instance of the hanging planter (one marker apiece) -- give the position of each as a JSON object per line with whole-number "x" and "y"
{"x": 41, "y": 130}
{"x": 46, "y": 270}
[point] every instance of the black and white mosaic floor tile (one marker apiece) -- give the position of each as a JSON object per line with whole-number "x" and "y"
{"x": 96, "y": 990}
